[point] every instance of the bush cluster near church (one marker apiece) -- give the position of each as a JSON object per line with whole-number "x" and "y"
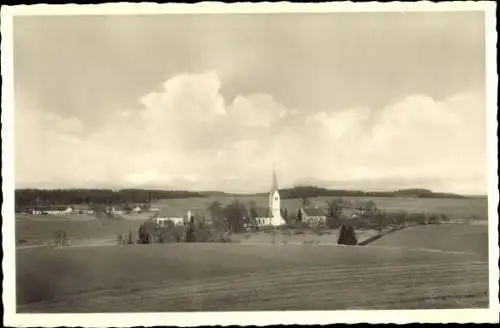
{"x": 236, "y": 218}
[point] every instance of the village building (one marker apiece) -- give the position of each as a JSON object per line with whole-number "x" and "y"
{"x": 50, "y": 210}
{"x": 79, "y": 209}
{"x": 137, "y": 209}
{"x": 115, "y": 210}
{"x": 312, "y": 216}
{"x": 177, "y": 217}
{"x": 270, "y": 216}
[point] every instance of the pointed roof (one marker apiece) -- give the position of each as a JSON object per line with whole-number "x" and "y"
{"x": 314, "y": 211}
{"x": 274, "y": 185}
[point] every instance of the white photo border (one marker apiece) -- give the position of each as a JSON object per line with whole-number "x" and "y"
{"x": 11, "y": 318}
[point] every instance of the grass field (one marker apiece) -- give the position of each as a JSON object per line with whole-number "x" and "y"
{"x": 446, "y": 237}
{"x": 36, "y": 230}
{"x": 453, "y": 208}
{"x": 227, "y": 277}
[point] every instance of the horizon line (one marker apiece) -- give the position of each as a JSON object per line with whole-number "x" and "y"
{"x": 242, "y": 193}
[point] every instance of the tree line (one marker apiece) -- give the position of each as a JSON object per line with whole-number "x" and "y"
{"x": 312, "y": 191}
{"x": 40, "y": 197}
{"x": 52, "y": 197}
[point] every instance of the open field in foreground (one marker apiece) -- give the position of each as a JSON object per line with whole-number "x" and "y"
{"x": 228, "y": 277}
{"x": 446, "y": 237}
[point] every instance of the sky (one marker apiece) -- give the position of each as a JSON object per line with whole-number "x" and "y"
{"x": 370, "y": 101}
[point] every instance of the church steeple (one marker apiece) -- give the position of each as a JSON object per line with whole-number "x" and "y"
{"x": 274, "y": 183}
{"x": 274, "y": 202}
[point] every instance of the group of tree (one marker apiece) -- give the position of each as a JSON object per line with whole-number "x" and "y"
{"x": 129, "y": 239}
{"x": 40, "y": 197}
{"x": 194, "y": 230}
{"x": 44, "y": 197}
{"x": 60, "y": 238}
{"x": 235, "y": 216}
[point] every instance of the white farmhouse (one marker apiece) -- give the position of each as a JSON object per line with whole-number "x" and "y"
{"x": 57, "y": 210}
{"x": 171, "y": 215}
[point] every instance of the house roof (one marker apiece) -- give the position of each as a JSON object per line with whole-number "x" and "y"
{"x": 314, "y": 211}
{"x": 274, "y": 183}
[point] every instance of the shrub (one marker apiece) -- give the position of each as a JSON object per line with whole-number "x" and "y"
{"x": 60, "y": 238}
{"x": 226, "y": 238}
{"x": 169, "y": 233}
{"x": 416, "y": 218}
{"x": 130, "y": 238}
{"x": 119, "y": 239}
{"x": 432, "y": 220}
{"x": 145, "y": 236}
{"x": 333, "y": 222}
{"x": 347, "y": 235}
{"x": 318, "y": 230}
{"x": 443, "y": 218}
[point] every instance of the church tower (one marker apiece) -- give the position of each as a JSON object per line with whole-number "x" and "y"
{"x": 274, "y": 202}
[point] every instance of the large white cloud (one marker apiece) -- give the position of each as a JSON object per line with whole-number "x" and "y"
{"x": 186, "y": 135}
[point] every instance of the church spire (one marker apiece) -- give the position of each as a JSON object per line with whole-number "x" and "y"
{"x": 274, "y": 185}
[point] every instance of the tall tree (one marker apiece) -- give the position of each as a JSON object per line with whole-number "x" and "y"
{"x": 305, "y": 201}
{"x": 236, "y": 214}
{"x": 253, "y": 209}
{"x": 335, "y": 208}
{"x": 190, "y": 230}
{"x": 347, "y": 236}
{"x": 218, "y": 216}
{"x": 130, "y": 239}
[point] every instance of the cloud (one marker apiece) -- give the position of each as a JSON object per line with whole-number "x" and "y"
{"x": 186, "y": 135}
{"x": 414, "y": 138}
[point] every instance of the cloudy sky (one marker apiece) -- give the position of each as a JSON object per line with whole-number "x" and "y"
{"x": 209, "y": 102}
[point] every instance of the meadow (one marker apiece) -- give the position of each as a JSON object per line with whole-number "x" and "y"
{"x": 446, "y": 237}
{"x": 453, "y": 208}
{"x": 36, "y": 230}
{"x": 237, "y": 277}
{"x": 39, "y": 230}
{"x": 435, "y": 266}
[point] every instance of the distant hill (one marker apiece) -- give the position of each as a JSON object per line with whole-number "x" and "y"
{"x": 312, "y": 191}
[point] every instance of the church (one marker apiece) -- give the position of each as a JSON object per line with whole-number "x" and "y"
{"x": 270, "y": 216}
